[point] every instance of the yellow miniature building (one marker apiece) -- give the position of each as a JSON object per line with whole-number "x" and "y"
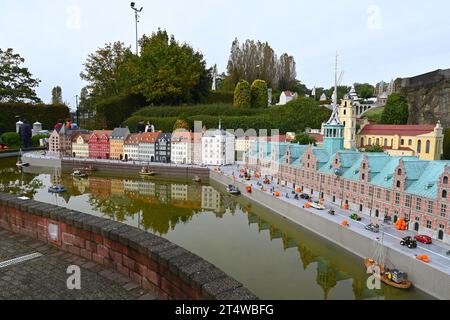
{"x": 80, "y": 146}
{"x": 116, "y": 143}
{"x": 423, "y": 141}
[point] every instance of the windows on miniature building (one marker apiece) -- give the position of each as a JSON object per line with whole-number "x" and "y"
{"x": 408, "y": 201}
{"x": 398, "y": 184}
{"x": 429, "y": 224}
{"x": 385, "y": 142}
{"x": 427, "y": 146}
{"x": 444, "y": 194}
{"x": 419, "y": 146}
{"x": 443, "y": 210}
{"x": 397, "y": 198}
{"x": 402, "y": 142}
{"x": 363, "y": 176}
{"x": 418, "y": 203}
{"x": 445, "y": 180}
{"x": 430, "y": 206}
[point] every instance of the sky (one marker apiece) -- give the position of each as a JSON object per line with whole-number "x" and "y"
{"x": 376, "y": 40}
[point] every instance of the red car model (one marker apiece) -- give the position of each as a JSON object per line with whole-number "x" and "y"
{"x": 423, "y": 238}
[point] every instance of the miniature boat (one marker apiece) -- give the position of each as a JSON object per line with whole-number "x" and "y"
{"x": 392, "y": 277}
{"x": 56, "y": 189}
{"x": 20, "y": 163}
{"x": 197, "y": 179}
{"x": 79, "y": 174}
{"x": 233, "y": 190}
{"x": 146, "y": 172}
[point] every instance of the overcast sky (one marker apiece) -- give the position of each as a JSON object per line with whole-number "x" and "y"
{"x": 376, "y": 40}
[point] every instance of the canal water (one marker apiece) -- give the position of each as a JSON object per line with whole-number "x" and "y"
{"x": 272, "y": 257}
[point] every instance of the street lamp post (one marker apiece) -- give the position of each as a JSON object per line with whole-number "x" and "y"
{"x": 136, "y": 14}
{"x": 76, "y": 113}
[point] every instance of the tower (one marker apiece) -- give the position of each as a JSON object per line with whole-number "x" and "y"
{"x": 347, "y": 115}
{"x": 334, "y": 130}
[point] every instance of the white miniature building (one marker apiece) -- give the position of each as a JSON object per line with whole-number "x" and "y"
{"x": 131, "y": 147}
{"x": 323, "y": 97}
{"x": 146, "y": 152}
{"x": 218, "y": 147}
{"x": 287, "y": 96}
{"x": 182, "y": 147}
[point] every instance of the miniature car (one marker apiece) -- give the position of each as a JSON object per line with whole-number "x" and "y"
{"x": 373, "y": 227}
{"x": 304, "y": 196}
{"x": 423, "y": 238}
{"x": 354, "y": 216}
{"x": 410, "y": 242}
{"x": 331, "y": 211}
{"x": 316, "y": 205}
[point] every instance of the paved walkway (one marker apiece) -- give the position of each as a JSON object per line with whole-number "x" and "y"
{"x": 44, "y": 275}
{"x": 392, "y": 236}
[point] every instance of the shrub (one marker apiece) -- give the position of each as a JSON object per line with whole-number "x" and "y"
{"x": 11, "y": 139}
{"x": 395, "y": 111}
{"x": 259, "y": 94}
{"x": 35, "y": 139}
{"x": 242, "y": 94}
{"x": 219, "y": 97}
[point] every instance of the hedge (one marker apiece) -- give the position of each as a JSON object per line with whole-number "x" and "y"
{"x": 48, "y": 115}
{"x": 113, "y": 111}
{"x": 11, "y": 139}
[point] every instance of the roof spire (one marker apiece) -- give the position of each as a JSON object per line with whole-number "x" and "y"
{"x": 334, "y": 119}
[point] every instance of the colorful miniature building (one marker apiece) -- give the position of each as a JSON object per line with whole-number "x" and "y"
{"x": 116, "y": 143}
{"x": 99, "y": 144}
{"x": 182, "y": 146}
{"x": 147, "y": 146}
{"x": 379, "y": 185}
{"x": 80, "y": 145}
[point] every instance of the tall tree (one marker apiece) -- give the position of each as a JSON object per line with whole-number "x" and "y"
{"x": 170, "y": 72}
{"x": 109, "y": 71}
{"x": 395, "y": 111}
{"x": 242, "y": 95}
{"x": 16, "y": 82}
{"x": 57, "y": 95}
{"x": 287, "y": 72}
{"x": 364, "y": 90}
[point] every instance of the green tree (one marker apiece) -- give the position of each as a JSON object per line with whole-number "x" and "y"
{"x": 16, "y": 82}
{"x": 364, "y": 90}
{"x": 395, "y": 111}
{"x": 374, "y": 148}
{"x": 242, "y": 94}
{"x": 170, "y": 72}
{"x": 259, "y": 95}
{"x": 182, "y": 122}
{"x": 305, "y": 139}
{"x": 286, "y": 72}
{"x": 57, "y": 95}
{"x": 110, "y": 71}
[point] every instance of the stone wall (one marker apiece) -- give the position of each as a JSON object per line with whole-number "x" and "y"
{"x": 428, "y": 97}
{"x": 155, "y": 263}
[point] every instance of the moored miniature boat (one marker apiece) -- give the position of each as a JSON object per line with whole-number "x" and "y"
{"x": 233, "y": 190}
{"x": 56, "y": 189}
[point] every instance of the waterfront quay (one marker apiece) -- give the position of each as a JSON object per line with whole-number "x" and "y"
{"x": 38, "y": 159}
{"x": 433, "y": 278}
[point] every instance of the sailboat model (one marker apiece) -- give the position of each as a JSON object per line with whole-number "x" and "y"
{"x": 56, "y": 187}
{"x": 377, "y": 266}
{"x": 20, "y": 163}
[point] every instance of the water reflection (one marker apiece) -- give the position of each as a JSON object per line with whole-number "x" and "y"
{"x": 272, "y": 257}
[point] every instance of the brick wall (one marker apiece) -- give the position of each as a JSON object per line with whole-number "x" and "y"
{"x": 155, "y": 263}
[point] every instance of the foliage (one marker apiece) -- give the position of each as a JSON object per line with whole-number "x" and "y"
{"x": 219, "y": 96}
{"x": 395, "y": 111}
{"x": 304, "y": 139}
{"x": 16, "y": 82}
{"x": 109, "y": 71}
{"x": 48, "y": 115}
{"x": 57, "y": 95}
{"x": 374, "y": 115}
{"x": 170, "y": 72}
{"x": 294, "y": 116}
{"x": 35, "y": 139}
{"x": 242, "y": 95}
{"x": 181, "y": 123}
{"x": 11, "y": 139}
{"x": 342, "y": 91}
{"x": 259, "y": 96}
{"x": 446, "y": 151}
{"x": 374, "y": 148}
{"x": 257, "y": 60}
{"x": 364, "y": 90}
{"x": 113, "y": 111}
